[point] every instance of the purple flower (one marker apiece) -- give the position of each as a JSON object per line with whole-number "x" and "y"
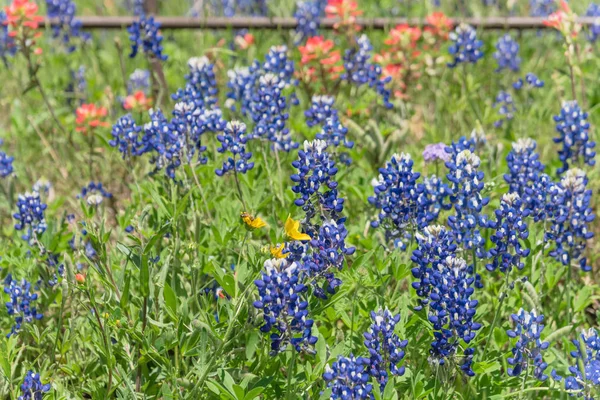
{"x": 435, "y": 152}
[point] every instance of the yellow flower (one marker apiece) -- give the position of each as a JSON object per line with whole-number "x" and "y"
{"x": 252, "y": 222}
{"x": 277, "y": 251}
{"x": 292, "y": 230}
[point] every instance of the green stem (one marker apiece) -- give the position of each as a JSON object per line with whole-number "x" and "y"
{"x": 496, "y": 315}
{"x": 290, "y": 373}
{"x": 239, "y": 188}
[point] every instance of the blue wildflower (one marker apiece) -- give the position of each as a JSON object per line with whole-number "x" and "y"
{"x": 532, "y": 81}
{"x": 360, "y": 71}
{"x": 573, "y": 127}
{"x": 145, "y": 36}
{"x": 241, "y": 84}
{"x": 6, "y": 165}
{"x": 77, "y": 89}
{"x": 507, "y": 54}
{"x": 21, "y": 305}
{"x": 269, "y": 113}
{"x": 528, "y": 348}
{"x": 386, "y": 350}
{"x": 435, "y": 152}
{"x": 285, "y": 309}
{"x": 570, "y": 220}
{"x": 233, "y": 139}
{"x": 308, "y": 18}
{"x": 321, "y": 109}
{"x": 510, "y": 230}
{"x": 348, "y": 378}
{"x": 466, "y": 185}
{"x": 465, "y": 47}
{"x": 278, "y": 63}
{"x": 585, "y": 371}
{"x": 524, "y": 166}
{"x": 32, "y": 387}
{"x": 334, "y": 133}
{"x": 8, "y": 47}
{"x": 30, "y": 215}
{"x": 94, "y": 193}
{"x": 506, "y": 108}
{"x": 541, "y": 8}
{"x": 201, "y": 84}
{"x": 139, "y": 80}
{"x": 125, "y": 135}
{"x": 68, "y": 26}
{"x": 593, "y": 10}
{"x": 136, "y": 7}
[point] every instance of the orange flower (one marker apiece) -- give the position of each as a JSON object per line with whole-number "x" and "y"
{"x": 563, "y": 20}
{"x": 80, "y": 278}
{"x": 137, "y": 102}
{"x": 404, "y": 36}
{"x": 89, "y": 116}
{"x": 244, "y": 41}
{"x": 345, "y": 10}
{"x": 439, "y": 24}
{"x": 22, "y": 13}
{"x": 317, "y": 55}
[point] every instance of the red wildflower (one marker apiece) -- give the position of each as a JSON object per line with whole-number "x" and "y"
{"x": 137, "y": 102}
{"x": 80, "y": 278}
{"x": 345, "y": 10}
{"x": 244, "y": 41}
{"x": 22, "y": 13}
{"x": 89, "y": 116}
{"x": 439, "y": 24}
{"x": 404, "y": 36}
{"x": 318, "y": 51}
{"x": 563, "y": 20}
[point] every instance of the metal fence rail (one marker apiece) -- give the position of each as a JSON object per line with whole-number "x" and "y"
{"x": 518, "y": 23}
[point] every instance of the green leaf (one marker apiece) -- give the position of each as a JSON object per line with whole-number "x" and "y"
{"x": 254, "y": 393}
{"x": 170, "y": 301}
{"x": 145, "y": 267}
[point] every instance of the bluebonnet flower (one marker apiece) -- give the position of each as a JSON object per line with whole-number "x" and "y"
{"x": 316, "y": 169}
{"x": 532, "y": 82}
{"x": 21, "y": 305}
{"x": 284, "y": 306}
{"x": 466, "y": 185}
{"x": 8, "y": 46}
{"x": 145, "y": 36}
{"x": 241, "y": 84}
{"x": 587, "y": 357}
{"x": 593, "y": 10}
{"x": 541, "y": 8}
{"x": 139, "y": 80}
{"x": 348, "y": 378}
{"x": 465, "y": 47}
{"x": 326, "y": 250}
{"x": 30, "y": 215}
{"x": 136, "y": 7}
{"x": 573, "y": 127}
{"x": 386, "y": 350}
{"x": 432, "y": 199}
{"x": 435, "y": 152}
{"x": 321, "y": 109}
{"x": 233, "y": 139}
{"x": 68, "y": 27}
{"x": 77, "y": 88}
{"x": 125, "y": 135}
{"x": 56, "y": 267}
{"x": 6, "y": 165}
{"x": 334, "y": 133}
{"x": 42, "y": 186}
{"x": 32, "y": 387}
{"x": 269, "y": 113}
{"x": 524, "y": 166}
{"x": 163, "y": 141}
{"x": 94, "y": 193}
{"x": 461, "y": 144}
{"x": 538, "y": 198}
{"x": 278, "y": 63}
{"x": 510, "y": 229}
{"x": 528, "y": 348}
{"x": 570, "y": 219}
{"x": 451, "y": 311}
{"x": 201, "y": 84}
{"x": 434, "y": 245}
{"x": 507, "y": 54}
{"x": 308, "y": 17}
{"x": 360, "y": 71}
{"x": 506, "y": 108}
{"x": 396, "y": 197}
